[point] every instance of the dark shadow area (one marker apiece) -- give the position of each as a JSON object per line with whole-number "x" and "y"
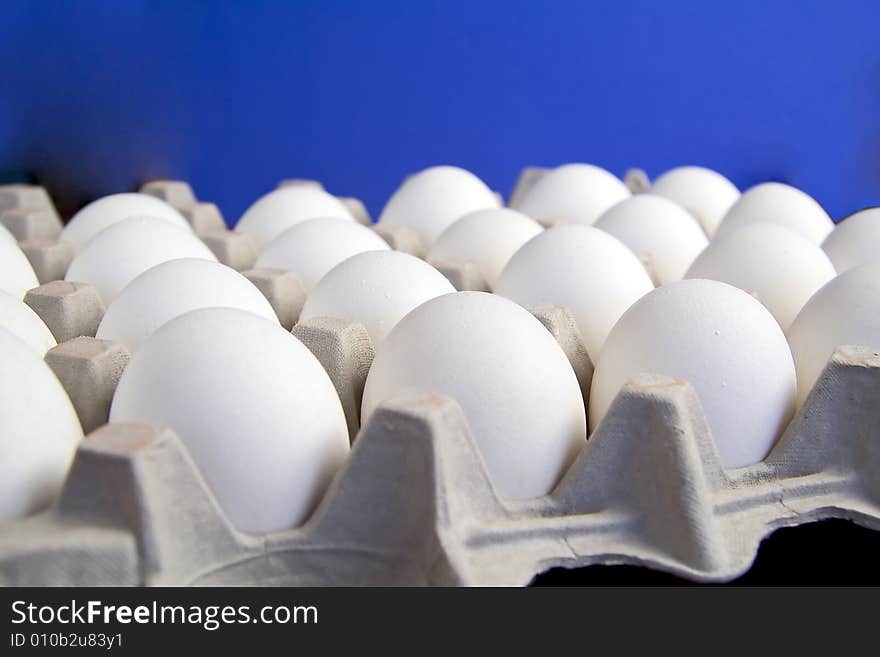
{"x": 827, "y": 553}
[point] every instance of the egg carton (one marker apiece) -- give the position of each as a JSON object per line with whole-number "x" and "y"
{"x": 413, "y": 504}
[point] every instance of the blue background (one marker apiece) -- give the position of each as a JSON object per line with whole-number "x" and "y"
{"x": 97, "y": 97}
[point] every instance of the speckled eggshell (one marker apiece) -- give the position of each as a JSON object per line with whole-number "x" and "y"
{"x": 279, "y": 210}
{"x": 431, "y": 200}
{"x": 312, "y": 248}
{"x": 377, "y": 289}
{"x": 510, "y": 377}
{"x": 39, "y": 431}
{"x": 579, "y": 267}
{"x": 577, "y": 193}
{"x": 855, "y": 240}
{"x": 706, "y": 194}
{"x": 486, "y": 238}
{"x": 776, "y": 265}
{"x": 118, "y": 254}
{"x": 173, "y": 288}
{"x": 725, "y": 344}
{"x": 109, "y": 210}
{"x": 662, "y": 234}
{"x": 254, "y": 408}
{"x": 19, "y": 319}
{"x": 778, "y": 203}
{"x": 16, "y": 274}
{"x": 846, "y": 311}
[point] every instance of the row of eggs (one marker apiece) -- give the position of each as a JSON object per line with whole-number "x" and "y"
{"x": 211, "y": 361}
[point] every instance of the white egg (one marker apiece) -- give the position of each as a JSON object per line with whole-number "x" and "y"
{"x": 855, "y": 240}
{"x": 173, "y": 288}
{"x": 19, "y": 319}
{"x": 432, "y": 199}
{"x": 510, "y": 377}
{"x": 279, "y": 210}
{"x": 377, "y": 289}
{"x": 779, "y": 267}
{"x": 39, "y": 430}
{"x": 118, "y": 254}
{"x": 109, "y": 210}
{"x": 720, "y": 340}
{"x": 661, "y": 233}
{"x": 312, "y": 248}
{"x": 254, "y": 408}
{"x": 581, "y": 268}
{"x": 846, "y": 311}
{"x": 16, "y": 274}
{"x": 778, "y": 203}
{"x": 704, "y": 193}
{"x": 486, "y": 238}
{"x": 577, "y": 193}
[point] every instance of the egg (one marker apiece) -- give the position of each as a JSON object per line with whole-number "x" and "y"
{"x": 855, "y": 240}
{"x": 109, "y": 210}
{"x": 375, "y": 288}
{"x": 312, "y": 248}
{"x": 432, "y": 199}
{"x": 579, "y": 267}
{"x": 577, "y": 193}
{"x": 173, "y": 288}
{"x": 846, "y": 311}
{"x": 118, "y": 254}
{"x": 518, "y": 391}
{"x": 776, "y": 265}
{"x": 283, "y": 208}
{"x": 254, "y": 408}
{"x": 6, "y": 235}
{"x": 39, "y": 430}
{"x": 486, "y": 238}
{"x": 18, "y": 318}
{"x": 16, "y": 274}
{"x": 720, "y": 340}
{"x": 706, "y": 194}
{"x": 778, "y": 203}
{"x": 661, "y": 233}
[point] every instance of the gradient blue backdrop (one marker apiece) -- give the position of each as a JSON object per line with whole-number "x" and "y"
{"x": 96, "y": 97}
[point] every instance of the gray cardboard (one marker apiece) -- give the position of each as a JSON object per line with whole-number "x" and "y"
{"x": 463, "y": 275}
{"x": 284, "y": 291}
{"x": 527, "y": 179}
{"x": 174, "y": 192}
{"x": 357, "y": 209}
{"x": 637, "y": 181}
{"x": 205, "y": 219}
{"x": 31, "y": 224}
{"x": 68, "y": 308}
{"x": 31, "y": 197}
{"x": 402, "y": 238}
{"x": 49, "y": 258}
{"x": 89, "y": 370}
{"x": 233, "y": 249}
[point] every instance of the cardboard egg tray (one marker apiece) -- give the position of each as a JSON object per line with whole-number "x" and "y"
{"x": 413, "y": 504}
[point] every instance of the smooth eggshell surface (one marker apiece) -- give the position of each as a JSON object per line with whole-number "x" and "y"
{"x": 253, "y": 406}
{"x": 778, "y": 203}
{"x": 577, "y": 193}
{"x": 776, "y": 265}
{"x": 582, "y": 268}
{"x": 432, "y": 199}
{"x": 486, "y": 238}
{"x": 39, "y": 431}
{"x": 118, "y": 254}
{"x": 661, "y": 233}
{"x": 19, "y": 319}
{"x": 855, "y": 240}
{"x": 725, "y": 344}
{"x": 704, "y": 193}
{"x": 16, "y": 274}
{"x": 512, "y": 380}
{"x": 312, "y": 248}
{"x": 377, "y": 289}
{"x": 846, "y": 311}
{"x": 109, "y": 210}
{"x": 283, "y": 208}
{"x": 173, "y": 288}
